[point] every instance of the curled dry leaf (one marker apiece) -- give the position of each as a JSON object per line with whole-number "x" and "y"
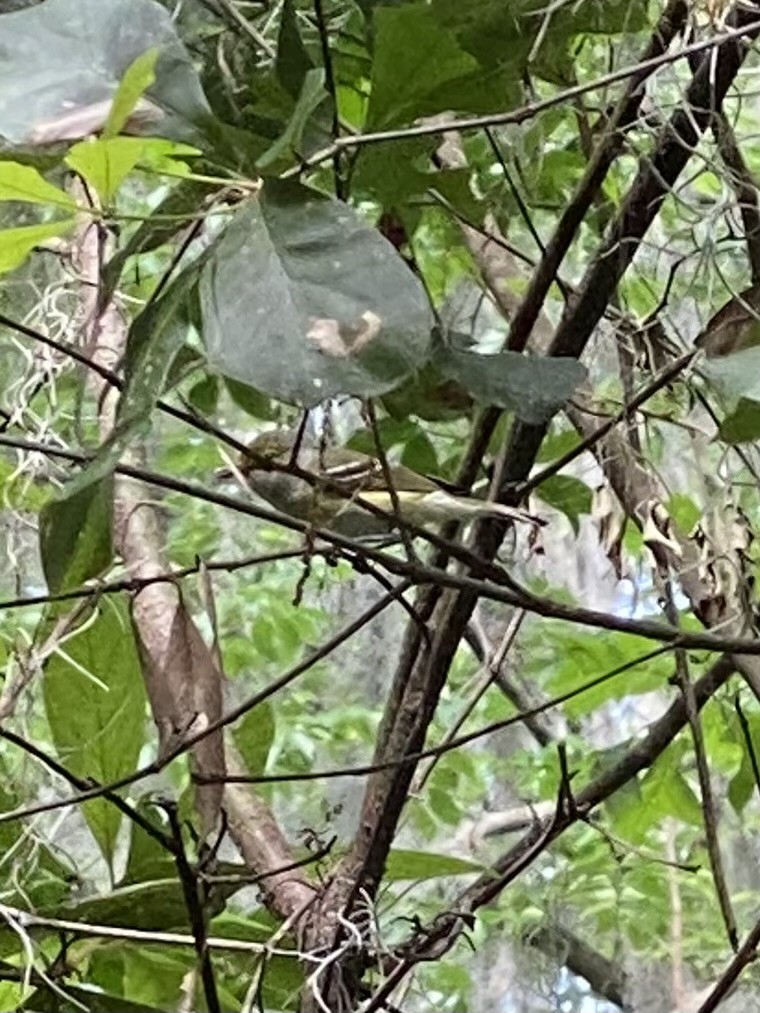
{"x": 339, "y": 341}
{"x": 611, "y": 519}
{"x": 658, "y": 529}
{"x": 723, "y": 538}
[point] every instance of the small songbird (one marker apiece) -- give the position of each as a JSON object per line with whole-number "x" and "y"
{"x": 735, "y": 327}
{"x": 326, "y": 487}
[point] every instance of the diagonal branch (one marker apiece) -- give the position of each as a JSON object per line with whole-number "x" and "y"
{"x": 435, "y": 939}
{"x": 386, "y": 794}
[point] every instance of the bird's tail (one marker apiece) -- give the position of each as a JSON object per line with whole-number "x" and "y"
{"x": 487, "y": 508}
{"x": 468, "y": 508}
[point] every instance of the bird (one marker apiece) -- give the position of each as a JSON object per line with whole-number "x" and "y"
{"x": 328, "y": 487}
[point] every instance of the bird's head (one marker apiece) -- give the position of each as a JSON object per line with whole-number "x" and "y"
{"x": 273, "y": 447}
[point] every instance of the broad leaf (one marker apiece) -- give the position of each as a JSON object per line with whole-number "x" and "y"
{"x": 23, "y": 183}
{"x": 301, "y": 300}
{"x": 534, "y": 388}
{"x": 743, "y": 424}
{"x": 107, "y": 162}
{"x": 76, "y": 536}
{"x": 65, "y": 55}
{"x": 293, "y": 61}
{"x": 420, "y": 69}
{"x": 95, "y": 703}
{"x": 139, "y": 76}
{"x": 17, "y": 244}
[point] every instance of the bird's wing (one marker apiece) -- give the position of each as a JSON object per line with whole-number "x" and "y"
{"x": 357, "y": 472}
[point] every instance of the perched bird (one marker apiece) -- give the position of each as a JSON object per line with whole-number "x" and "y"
{"x": 325, "y": 487}
{"x": 734, "y": 328}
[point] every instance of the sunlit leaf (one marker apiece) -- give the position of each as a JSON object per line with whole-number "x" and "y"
{"x": 139, "y": 76}
{"x": 17, "y": 244}
{"x": 23, "y": 183}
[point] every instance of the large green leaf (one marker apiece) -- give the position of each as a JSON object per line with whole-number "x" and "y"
{"x": 743, "y": 424}
{"x": 76, "y": 536}
{"x": 301, "y": 300}
{"x": 534, "y": 388}
{"x": 70, "y": 54}
{"x": 95, "y": 704}
{"x": 420, "y": 69}
{"x": 498, "y": 33}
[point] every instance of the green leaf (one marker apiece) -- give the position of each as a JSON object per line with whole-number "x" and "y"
{"x": 106, "y": 163}
{"x": 252, "y": 401}
{"x": 489, "y": 31}
{"x": 254, "y": 736}
{"x": 419, "y": 454}
{"x": 204, "y": 395}
{"x": 666, "y": 792}
{"x": 743, "y": 424}
{"x": 76, "y": 536}
{"x": 84, "y": 997}
{"x": 421, "y": 865}
{"x": 139, "y": 76}
{"x": 155, "y": 976}
{"x": 419, "y": 69}
{"x": 147, "y": 859}
{"x": 23, "y": 183}
{"x": 743, "y": 784}
{"x": 684, "y": 511}
{"x": 303, "y": 301}
{"x": 292, "y": 62}
{"x": 149, "y": 905}
{"x": 289, "y": 143}
{"x": 556, "y": 445}
{"x": 534, "y": 388}
{"x": 568, "y": 495}
{"x": 95, "y": 704}
{"x": 17, "y": 244}
{"x": 579, "y": 658}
